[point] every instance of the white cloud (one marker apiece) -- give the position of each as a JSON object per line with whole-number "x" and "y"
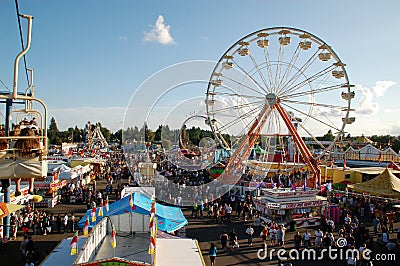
{"x": 366, "y": 104}
{"x": 392, "y": 110}
{"x": 381, "y": 87}
{"x": 123, "y": 38}
{"x": 159, "y": 33}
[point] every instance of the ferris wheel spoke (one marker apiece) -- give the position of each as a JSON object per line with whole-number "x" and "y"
{"x": 300, "y": 71}
{"x": 278, "y": 68}
{"x": 244, "y": 96}
{"x": 311, "y": 116}
{"x": 259, "y": 71}
{"x": 249, "y": 76}
{"x": 289, "y": 68}
{"x": 242, "y": 116}
{"x": 312, "y": 91}
{"x": 342, "y": 108}
{"x": 313, "y": 137}
{"x": 244, "y": 85}
{"x": 309, "y": 79}
{"x": 214, "y": 111}
{"x": 269, "y": 68}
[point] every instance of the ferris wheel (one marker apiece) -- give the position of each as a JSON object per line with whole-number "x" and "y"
{"x": 283, "y": 86}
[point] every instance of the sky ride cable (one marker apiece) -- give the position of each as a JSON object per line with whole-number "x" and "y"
{"x": 22, "y": 39}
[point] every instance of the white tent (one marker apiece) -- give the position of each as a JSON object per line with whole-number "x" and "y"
{"x": 61, "y": 168}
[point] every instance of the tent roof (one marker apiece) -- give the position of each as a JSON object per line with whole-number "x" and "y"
{"x": 363, "y": 139}
{"x": 61, "y": 168}
{"x": 178, "y": 252}
{"x": 386, "y": 185}
{"x": 170, "y": 218}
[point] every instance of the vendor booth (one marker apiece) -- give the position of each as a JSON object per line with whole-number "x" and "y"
{"x": 21, "y": 199}
{"x": 287, "y": 206}
{"x": 48, "y": 189}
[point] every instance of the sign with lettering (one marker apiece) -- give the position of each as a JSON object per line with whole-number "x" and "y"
{"x": 299, "y": 205}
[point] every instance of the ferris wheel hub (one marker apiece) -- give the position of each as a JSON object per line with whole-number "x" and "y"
{"x": 271, "y": 99}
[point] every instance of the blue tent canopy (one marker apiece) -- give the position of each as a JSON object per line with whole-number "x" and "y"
{"x": 170, "y": 219}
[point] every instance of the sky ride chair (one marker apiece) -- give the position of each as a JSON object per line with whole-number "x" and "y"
{"x": 14, "y": 164}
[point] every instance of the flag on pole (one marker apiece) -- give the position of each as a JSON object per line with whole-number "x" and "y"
{"x": 101, "y": 208}
{"x": 131, "y": 200}
{"x": 106, "y": 204}
{"x": 74, "y": 244}
{"x": 305, "y": 185}
{"x": 289, "y": 183}
{"x": 70, "y": 152}
{"x": 86, "y": 227}
{"x": 272, "y": 183}
{"x": 93, "y": 214}
{"x": 113, "y": 239}
{"x": 153, "y": 227}
{"x": 344, "y": 163}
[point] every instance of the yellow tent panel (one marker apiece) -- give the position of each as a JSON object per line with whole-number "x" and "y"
{"x": 385, "y": 185}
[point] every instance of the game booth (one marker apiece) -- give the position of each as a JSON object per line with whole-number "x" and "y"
{"x": 292, "y": 208}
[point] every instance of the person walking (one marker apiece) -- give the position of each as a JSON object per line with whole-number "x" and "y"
{"x": 250, "y": 232}
{"x": 280, "y": 234}
{"x": 65, "y": 223}
{"x": 307, "y": 239}
{"x": 233, "y": 240}
{"x": 212, "y": 252}
{"x": 224, "y": 240}
{"x": 264, "y": 234}
{"x": 297, "y": 240}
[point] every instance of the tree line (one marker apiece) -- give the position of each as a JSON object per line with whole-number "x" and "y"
{"x": 167, "y": 137}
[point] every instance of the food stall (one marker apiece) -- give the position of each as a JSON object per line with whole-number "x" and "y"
{"x": 49, "y": 190}
{"x": 287, "y": 206}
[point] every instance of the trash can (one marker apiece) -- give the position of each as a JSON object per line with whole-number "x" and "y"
{"x": 293, "y": 226}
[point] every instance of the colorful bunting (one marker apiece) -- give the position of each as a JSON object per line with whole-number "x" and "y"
{"x": 106, "y": 204}
{"x": 113, "y": 239}
{"x": 74, "y": 244}
{"x": 93, "y": 214}
{"x": 86, "y": 227}
{"x": 101, "y": 208}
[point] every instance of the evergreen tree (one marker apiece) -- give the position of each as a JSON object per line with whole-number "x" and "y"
{"x": 53, "y": 133}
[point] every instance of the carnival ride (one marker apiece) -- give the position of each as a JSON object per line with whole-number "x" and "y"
{"x": 279, "y": 87}
{"x": 94, "y": 138}
{"x": 26, "y": 127}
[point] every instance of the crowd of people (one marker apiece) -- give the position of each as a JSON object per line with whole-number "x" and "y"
{"x": 365, "y": 223}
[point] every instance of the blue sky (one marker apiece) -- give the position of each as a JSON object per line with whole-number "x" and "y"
{"x": 90, "y": 56}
